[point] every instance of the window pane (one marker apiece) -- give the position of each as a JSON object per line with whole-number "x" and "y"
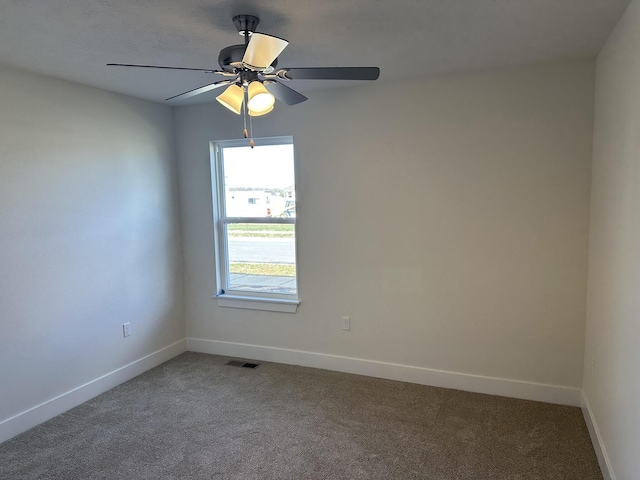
{"x": 262, "y": 257}
{"x": 259, "y": 182}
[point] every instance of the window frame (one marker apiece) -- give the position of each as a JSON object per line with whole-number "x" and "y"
{"x": 225, "y": 296}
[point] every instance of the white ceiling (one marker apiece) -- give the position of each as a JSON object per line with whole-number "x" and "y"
{"x": 74, "y": 39}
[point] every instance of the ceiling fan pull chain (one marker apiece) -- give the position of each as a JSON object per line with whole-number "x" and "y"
{"x": 251, "y": 142}
{"x": 244, "y": 113}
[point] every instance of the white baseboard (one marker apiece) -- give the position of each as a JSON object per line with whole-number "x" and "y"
{"x": 392, "y": 371}
{"x": 40, "y": 413}
{"x": 596, "y": 439}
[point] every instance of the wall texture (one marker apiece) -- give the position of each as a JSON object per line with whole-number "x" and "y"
{"x": 448, "y": 218}
{"x": 89, "y": 236}
{"x": 612, "y": 356}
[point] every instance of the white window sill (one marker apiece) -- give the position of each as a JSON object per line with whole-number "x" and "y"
{"x": 257, "y": 303}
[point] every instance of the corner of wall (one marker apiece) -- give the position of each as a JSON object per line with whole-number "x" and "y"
{"x": 34, "y": 416}
{"x": 596, "y": 439}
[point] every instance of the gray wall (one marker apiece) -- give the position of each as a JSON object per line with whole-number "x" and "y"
{"x": 612, "y": 357}
{"x": 89, "y": 236}
{"x": 448, "y": 218}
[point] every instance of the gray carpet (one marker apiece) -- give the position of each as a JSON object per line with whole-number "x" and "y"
{"x": 196, "y": 418}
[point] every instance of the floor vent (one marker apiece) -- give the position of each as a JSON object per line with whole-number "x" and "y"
{"x": 236, "y": 363}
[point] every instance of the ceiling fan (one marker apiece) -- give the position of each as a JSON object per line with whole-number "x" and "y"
{"x": 253, "y": 79}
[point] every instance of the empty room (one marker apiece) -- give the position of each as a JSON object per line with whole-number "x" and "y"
{"x": 319, "y": 240}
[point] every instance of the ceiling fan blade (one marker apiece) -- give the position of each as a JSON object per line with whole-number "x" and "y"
{"x": 263, "y": 50}
{"x": 284, "y": 93}
{"x": 330, "y": 73}
{"x": 206, "y": 88}
{"x": 206, "y": 70}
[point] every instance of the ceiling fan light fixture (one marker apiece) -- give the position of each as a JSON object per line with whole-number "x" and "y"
{"x": 259, "y": 114}
{"x": 260, "y": 100}
{"x": 232, "y": 98}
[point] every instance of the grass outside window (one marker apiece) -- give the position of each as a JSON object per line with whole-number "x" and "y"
{"x": 272, "y": 269}
{"x": 257, "y": 230}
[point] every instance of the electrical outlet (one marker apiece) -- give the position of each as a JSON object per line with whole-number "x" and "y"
{"x": 346, "y": 323}
{"x": 126, "y": 329}
{"x": 593, "y": 364}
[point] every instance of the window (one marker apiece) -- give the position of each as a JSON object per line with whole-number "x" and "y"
{"x": 255, "y": 224}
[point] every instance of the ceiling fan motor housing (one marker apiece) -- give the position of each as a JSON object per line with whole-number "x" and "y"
{"x": 230, "y": 58}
